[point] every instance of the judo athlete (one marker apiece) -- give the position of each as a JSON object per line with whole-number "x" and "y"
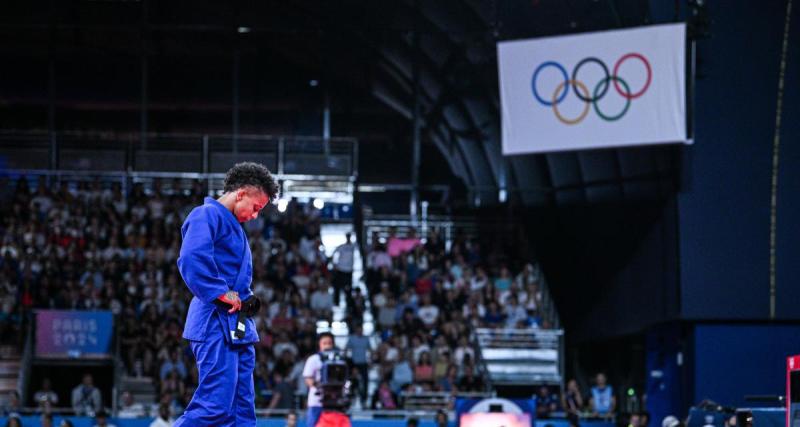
{"x": 216, "y": 264}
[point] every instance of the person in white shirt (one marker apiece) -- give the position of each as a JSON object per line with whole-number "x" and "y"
{"x": 46, "y": 397}
{"x": 321, "y": 300}
{"x": 343, "y": 269}
{"x": 515, "y": 313}
{"x": 129, "y": 408}
{"x": 86, "y": 399}
{"x": 101, "y": 420}
{"x": 379, "y": 258}
{"x": 463, "y": 350}
{"x": 478, "y": 281}
{"x": 428, "y": 312}
{"x": 310, "y": 249}
{"x": 530, "y": 274}
{"x": 311, "y": 374}
{"x": 417, "y": 348}
{"x": 163, "y": 419}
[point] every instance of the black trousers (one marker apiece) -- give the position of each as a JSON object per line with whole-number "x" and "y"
{"x": 342, "y": 281}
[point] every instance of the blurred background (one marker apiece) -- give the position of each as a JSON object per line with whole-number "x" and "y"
{"x": 662, "y": 275}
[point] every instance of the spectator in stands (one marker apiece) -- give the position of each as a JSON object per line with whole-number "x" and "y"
{"x": 423, "y": 370}
{"x": 386, "y": 306}
{"x": 418, "y": 346}
{"x": 46, "y": 420}
{"x": 402, "y": 373}
{"x": 384, "y": 397}
{"x": 13, "y": 404}
{"x": 412, "y": 422}
{"x": 128, "y": 408}
{"x": 450, "y": 381}
{"x": 479, "y": 281}
{"x": 441, "y": 418}
{"x": 358, "y": 345}
{"x": 410, "y": 323}
{"x": 428, "y": 313}
{"x": 516, "y": 316}
{"x": 164, "y": 418}
{"x": 494, "y": 317}
{"x": 572, "y": 400}
{"x": 101, "y": 420}
{"x": 529, "y": 274}
{"x": 463, "y": 349}
{"x": 173, "y": 385}
{"x": 530, "y": 296}
{"x": 441, "y": 358}
{"x": 173, "y": 364}
{"x": 343, "y": 269}
{"x": 14, "y": 420}
{"x": 66, "y": 423}
{"x": 291, "y": 419}
{"x": 379, "y": 258}
{"x": 602, "y": 401}
{"x": 503, "y": 281}
{"x": 322, "y": 301}
{"x": 546, "y": 403}
{"x": 86, "y": 399}
{"x": 469, "y": 382}
{"x": 282, "y": 392}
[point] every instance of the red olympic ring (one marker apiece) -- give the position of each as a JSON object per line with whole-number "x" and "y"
{"x": 647, "y": 83}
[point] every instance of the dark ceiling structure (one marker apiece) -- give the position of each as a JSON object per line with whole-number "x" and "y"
{"x": 171, "y": 65}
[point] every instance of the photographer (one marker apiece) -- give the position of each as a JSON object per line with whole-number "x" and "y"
{"x": 311, "y": 373}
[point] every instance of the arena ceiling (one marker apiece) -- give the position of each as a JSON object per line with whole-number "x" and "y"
{"x": 363, "y": 51}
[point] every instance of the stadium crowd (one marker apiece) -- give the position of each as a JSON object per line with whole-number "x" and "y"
{"x": 86, "y": 246}
{"x": 426, "y": 299}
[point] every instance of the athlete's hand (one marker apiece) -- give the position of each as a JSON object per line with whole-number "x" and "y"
{"x": 231, "y": 298}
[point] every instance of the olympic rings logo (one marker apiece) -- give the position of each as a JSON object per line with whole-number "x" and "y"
{"x": 599, "y": 92}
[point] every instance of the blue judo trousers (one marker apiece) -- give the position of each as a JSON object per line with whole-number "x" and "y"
{"x": 215, "y": 258}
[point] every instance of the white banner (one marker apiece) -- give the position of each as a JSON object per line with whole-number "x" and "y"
{"x": 595, "y": 90}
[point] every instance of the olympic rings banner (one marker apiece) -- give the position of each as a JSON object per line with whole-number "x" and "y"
{"x": 594, "y": 90}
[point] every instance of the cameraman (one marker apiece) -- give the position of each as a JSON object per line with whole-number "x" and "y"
{"x": 311, "y": 373}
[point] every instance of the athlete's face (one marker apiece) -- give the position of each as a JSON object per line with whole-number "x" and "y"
{"x": 249, "y": 202}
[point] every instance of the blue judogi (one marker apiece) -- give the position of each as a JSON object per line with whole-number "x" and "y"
{"x": 215, "y": 258}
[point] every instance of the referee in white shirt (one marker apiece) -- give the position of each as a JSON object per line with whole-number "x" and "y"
{"x": 343, "y": 270}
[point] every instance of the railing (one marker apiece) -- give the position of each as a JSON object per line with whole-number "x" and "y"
{"x": 362, "y": 414}
{"x": 308, "y": 167}
{"x": 447, "y": 227}
{"x": 119, "y": 365}
{"x": 178, "y": 152}
{"x": 522, "y": 356}
{"x": 336, "y": 189}
{"x": 435, "y": 401}
{"x": 548, "y": 308}
{"x": 25, "y": 361}
{"x": 480, "y": 362}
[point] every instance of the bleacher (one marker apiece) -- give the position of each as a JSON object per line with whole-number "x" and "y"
{"x": 522, "y": 356}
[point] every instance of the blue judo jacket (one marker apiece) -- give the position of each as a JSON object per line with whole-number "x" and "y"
{"x": 215, "y": 258}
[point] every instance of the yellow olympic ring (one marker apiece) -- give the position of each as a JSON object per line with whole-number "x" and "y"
{"x": 585, "y": 111}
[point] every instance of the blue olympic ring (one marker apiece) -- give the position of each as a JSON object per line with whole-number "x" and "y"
{"x": 536, "y": 74}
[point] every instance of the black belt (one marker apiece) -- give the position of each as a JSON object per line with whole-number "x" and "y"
{"x": 250, "y": 308}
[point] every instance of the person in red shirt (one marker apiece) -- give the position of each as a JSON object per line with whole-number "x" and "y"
{"x": 424, "y": 285}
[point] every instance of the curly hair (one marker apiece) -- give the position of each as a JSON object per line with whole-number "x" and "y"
{"x": 251, "y": 174}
